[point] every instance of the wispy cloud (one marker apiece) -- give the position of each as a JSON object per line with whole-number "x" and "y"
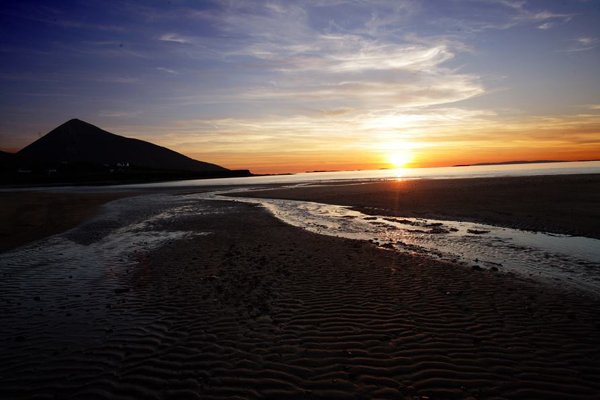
{"x": 546, "y": 25}
{"x": 583, "y": 43}
{"x": 505, "y": 14}
{"x": 175, "y": 38}
{"x": 309, "y": 64}
{"x": 119, "y": 114}
{"x": 112, "y": 79}
{"x": 167, "y": 70}
{"x": 524, "y": 14}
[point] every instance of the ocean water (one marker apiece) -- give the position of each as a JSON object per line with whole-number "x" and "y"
{"x": 481, "y": 171}
{"x": 562, "y": 168}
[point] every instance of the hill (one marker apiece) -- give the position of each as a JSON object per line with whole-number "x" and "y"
{"x": 79, "y": 151}
{"x": 78, "y": 141}
{"x": 6, "y": 160}
{"x": 5, "y": 156}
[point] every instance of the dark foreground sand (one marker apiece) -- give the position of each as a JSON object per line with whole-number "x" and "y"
{"x": 28, "y": 216}
{"x": 567, "y": 204}
{"x": 262, "y": 310}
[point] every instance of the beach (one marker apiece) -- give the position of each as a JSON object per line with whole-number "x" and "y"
{"x": 219, "y": 299}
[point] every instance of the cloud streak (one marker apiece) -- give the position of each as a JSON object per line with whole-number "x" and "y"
{"x": 174, "y": 38}
{"x": 583, "y": 43}
{"x": 348, "y": 68}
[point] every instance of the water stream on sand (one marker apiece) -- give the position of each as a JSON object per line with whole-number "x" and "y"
{"x": 133, "y": 226}
{"x": 569, "y": 261}
{"x": 85, "y": 262}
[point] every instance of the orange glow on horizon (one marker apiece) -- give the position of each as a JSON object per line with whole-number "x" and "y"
{"x": 389, "y": 139}
{"x": 430, "y": 158}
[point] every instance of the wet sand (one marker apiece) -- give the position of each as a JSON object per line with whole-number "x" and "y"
{"x": 568, "y": 204}
{"x": 261, "y": 310}
{"x": 28, "y": 216}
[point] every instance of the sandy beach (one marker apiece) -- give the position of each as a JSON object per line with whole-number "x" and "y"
{"x": 245, "y": 306}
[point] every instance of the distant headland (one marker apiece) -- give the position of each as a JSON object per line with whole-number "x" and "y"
{"x": 518, "y": 162}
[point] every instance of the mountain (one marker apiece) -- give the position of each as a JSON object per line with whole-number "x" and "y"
{"x": 80, "y": 152}
{"x": 78, "y": 141}
{"x": 4, "y": 156}
{"x": 6, "y": 160}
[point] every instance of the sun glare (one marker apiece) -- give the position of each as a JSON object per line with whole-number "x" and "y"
{"x": 399, "y": 158}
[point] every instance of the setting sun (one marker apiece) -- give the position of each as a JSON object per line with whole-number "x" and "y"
{"x": 399, "y": 158}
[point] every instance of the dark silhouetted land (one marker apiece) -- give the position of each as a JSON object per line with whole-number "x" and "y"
{"x": 517, "y": 162}
{"x": 79, "y": 152}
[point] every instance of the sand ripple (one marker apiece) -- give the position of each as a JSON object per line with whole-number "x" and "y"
{"x": 259, "y": 309}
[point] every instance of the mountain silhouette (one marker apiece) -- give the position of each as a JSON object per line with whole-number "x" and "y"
{"x": 6, "y": 156}
{"x": 77, "y": 141}
{"x": 80, "y": 153}
{"x": 6, "y": 160}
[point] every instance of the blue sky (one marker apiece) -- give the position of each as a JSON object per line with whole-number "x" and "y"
{"x": 292, "y": 85}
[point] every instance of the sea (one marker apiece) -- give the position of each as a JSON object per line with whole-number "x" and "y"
{"x": 471, "y": 171}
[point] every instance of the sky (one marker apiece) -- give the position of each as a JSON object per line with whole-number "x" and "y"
{"x": 289, "y": 86}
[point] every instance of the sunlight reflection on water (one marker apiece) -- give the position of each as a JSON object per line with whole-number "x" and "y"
{"x": 583, "y": 167}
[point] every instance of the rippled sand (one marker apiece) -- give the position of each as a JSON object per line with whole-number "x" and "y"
{"x": 222, "y": 300}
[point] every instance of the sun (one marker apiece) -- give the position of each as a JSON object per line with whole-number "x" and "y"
{"x": 399, "y": 158}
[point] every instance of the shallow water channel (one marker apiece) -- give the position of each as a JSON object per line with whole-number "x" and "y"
{"x": 133, "y": 226}
{"x": 570, "y": 261}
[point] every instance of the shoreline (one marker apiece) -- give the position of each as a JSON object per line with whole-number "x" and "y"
{"x": 31, "y": 215}
{"x": 560, "y": 204}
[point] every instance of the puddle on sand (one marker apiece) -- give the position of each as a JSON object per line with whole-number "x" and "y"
{"x": 124, "y": 228}
{"x": 86, "y": 262}
{"x": 565, "y": 260}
